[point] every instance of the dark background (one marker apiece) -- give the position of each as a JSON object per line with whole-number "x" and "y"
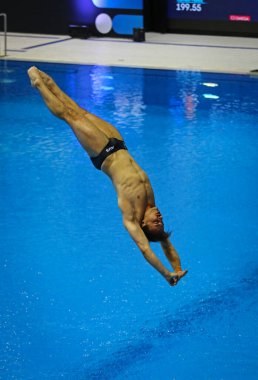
{"x": 37, "y": 16}
{"x": 54, "y": 16}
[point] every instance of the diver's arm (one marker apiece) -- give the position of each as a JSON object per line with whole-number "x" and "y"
{"x": 174, "y": 260}
{"x": 142, "y": 242}
{"x": 171, "y": 254}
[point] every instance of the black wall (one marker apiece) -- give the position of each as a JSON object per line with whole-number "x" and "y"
{"x": 54, "y": 16}
{"x": 223, "y": 28}
{"x": 38, "y": 16}
{"x": 155, "y": 15}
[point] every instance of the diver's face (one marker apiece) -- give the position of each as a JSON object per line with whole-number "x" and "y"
{"x": 153, "y": 219}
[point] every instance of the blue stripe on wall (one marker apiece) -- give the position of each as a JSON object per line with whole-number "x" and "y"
{"x": 124, "y": 24}
{"x": 119, "y": 4}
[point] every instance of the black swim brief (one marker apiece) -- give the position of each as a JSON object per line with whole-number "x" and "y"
{"x": 112, "y": 146}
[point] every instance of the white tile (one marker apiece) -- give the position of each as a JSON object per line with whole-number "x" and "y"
{"x": 167, "y": 51}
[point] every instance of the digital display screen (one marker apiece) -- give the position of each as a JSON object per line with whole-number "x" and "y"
{"x": 214, "y": 10}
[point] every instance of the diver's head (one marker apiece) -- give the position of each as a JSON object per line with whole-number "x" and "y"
{"x": 153, "y": 226}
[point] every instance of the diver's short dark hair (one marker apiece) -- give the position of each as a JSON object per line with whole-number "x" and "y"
{"x": 155, "y": 236}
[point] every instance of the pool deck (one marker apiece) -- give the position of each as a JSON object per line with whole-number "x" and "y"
{"x": 163, "y": 51}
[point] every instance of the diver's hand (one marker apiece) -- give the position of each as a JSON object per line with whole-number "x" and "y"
{"x": 174, "y": 277}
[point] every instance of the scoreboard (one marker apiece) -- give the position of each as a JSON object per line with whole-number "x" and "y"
{"x": 214, "y": 10}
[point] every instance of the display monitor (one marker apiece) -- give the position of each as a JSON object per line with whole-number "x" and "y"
{"x": 214, "y": 10}
{"x": 213, "y": 16}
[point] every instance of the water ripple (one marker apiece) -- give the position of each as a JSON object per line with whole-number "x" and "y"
{"x": 191, "y": 317}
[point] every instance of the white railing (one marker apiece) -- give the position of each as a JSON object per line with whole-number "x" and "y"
{"x": 5, "y": 33}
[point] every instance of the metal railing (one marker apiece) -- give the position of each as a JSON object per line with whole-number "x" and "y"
{"x": 5, "y": 33}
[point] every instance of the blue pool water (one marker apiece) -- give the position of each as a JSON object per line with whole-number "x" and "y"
{"x": 78, "y": 301}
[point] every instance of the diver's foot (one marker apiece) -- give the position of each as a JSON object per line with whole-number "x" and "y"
{"x": 176, "y": 276}
{"x": 34, "y": 75}
{"x": 52, "y": 102}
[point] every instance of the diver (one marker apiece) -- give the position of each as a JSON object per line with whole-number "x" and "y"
{"x": 108, "y": 153}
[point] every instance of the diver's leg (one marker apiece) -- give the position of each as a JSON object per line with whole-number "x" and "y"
{"x": 104, "y": 126}
{"x": 108, "y": 129}
{"x": 91, "y": 138}
{"x": 56, "y": 90}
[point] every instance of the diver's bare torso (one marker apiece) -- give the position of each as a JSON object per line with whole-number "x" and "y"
{"x": 132, "y": 184}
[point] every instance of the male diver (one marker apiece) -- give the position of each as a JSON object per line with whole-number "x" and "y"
{"x": 108, "y": 152}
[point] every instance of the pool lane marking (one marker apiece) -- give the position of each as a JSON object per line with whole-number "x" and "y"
{"x": 16, "y": 50}
{"x": 47, "y": 43}
{"x": 130, "y": 42}
{"x": 206, "y": 46}
{"x": 48, "y": 37}
{"x": 178, "y": 44}
{"x": 23, "y": 50}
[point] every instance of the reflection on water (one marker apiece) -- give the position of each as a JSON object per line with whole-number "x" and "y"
{"x": 127, "y": 100}
{"x": 189, "y": 83}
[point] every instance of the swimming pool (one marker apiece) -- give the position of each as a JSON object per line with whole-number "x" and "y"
{"x": 77, "y": 299}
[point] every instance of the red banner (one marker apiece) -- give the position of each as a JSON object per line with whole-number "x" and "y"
{"x": 239, "y": 18}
